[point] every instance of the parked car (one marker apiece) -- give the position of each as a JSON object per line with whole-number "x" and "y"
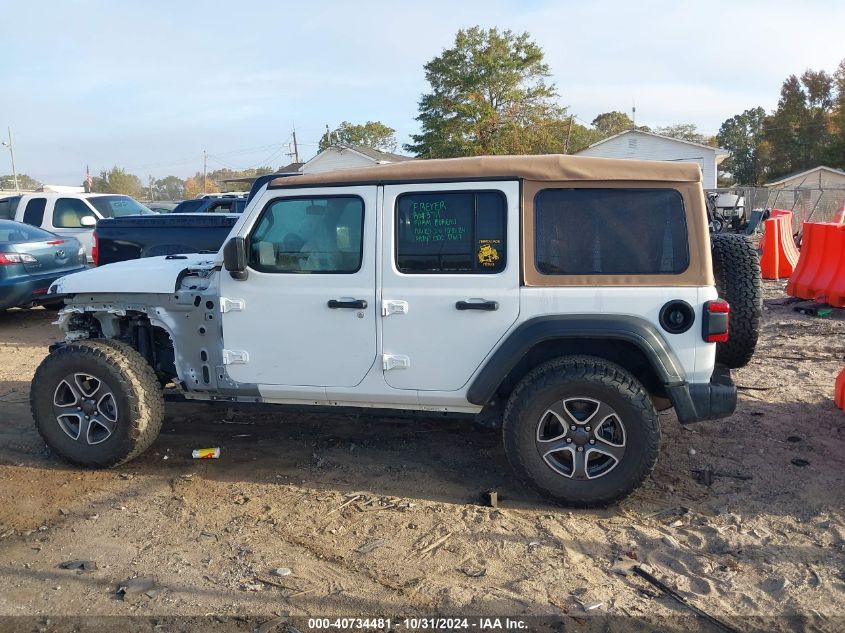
{"x": 570, "y": 298}
{"x": 119, "y": 239}
{"x": 30, "y": 260}
{"x": 71, "y": 214}
{"x": 211, "y": 205}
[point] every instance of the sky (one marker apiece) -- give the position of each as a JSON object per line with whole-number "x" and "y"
{"x": 148, "y": 86}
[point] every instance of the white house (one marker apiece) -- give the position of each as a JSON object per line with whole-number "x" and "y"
{"x": 641, "y": 145}
{"x": 340, "y": 156}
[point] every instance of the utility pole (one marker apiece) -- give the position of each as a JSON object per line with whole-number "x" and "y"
{"x": 11, "y": 147}
{"x": 295, "y": 148}
{"x": 204, "y": 170}
{"x": 568, "y": 134}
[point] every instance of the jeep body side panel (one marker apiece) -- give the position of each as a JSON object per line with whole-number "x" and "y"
{"x": 543, "y": 329}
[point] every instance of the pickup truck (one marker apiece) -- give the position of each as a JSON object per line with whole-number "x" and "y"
{"x": 196, "y": 226}
{"x": 119, "y": 239}
{"x": 70, "y": 214}
{"x": 211, "y": 205}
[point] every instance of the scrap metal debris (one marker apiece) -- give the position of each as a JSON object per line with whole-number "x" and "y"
{"x": 644, "y": 572}
{"x": 79, "y": 565}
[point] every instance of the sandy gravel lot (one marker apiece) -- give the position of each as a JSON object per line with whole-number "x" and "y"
{"x": 376, "y": 516}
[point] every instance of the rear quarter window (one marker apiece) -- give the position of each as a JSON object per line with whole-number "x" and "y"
{"x": 34, "y": 212}
{"x": 8, "y": 207}
{"x": 610, "y": 232}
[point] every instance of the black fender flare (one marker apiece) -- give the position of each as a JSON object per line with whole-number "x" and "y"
{"x": 641, "y": 333}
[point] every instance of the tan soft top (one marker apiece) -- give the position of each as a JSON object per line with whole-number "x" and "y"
{"x": 547, "y": 167}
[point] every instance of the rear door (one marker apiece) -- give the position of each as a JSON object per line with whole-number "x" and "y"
{"x": 450, "y": 275}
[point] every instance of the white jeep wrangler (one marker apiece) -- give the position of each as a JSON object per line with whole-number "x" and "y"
{"x": 570, "y": 297}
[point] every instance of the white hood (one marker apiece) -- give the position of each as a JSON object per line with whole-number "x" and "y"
{"x": 149, "y": 274}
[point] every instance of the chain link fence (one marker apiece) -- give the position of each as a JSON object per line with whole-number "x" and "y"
{"x": 808, "y": 204}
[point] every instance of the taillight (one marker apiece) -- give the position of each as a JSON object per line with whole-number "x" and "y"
{"x": 95, "y": 250}
{"x": 716, "y": 322}
{"x": 9, "y": 259}
{"x": 55, "y": 242}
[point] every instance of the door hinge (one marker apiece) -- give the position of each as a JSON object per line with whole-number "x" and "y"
{"x": 231, "y": 305}
{"x": 393, "y": 306}
{"x": 395, "y": 361}
{"x": 235, "y": 357}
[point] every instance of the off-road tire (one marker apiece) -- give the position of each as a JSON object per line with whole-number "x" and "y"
{"x": 736, "y": 268}
{"x": 574, "y": 377}
{"x": 140, "y": 405}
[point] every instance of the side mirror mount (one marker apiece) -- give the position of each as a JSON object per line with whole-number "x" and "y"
{"x": 234, "y": 258}
{"x": 88, "y": 221}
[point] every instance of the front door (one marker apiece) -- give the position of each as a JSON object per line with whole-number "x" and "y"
{"x": 450, "y": 287}
{"x": 306, "y": 313}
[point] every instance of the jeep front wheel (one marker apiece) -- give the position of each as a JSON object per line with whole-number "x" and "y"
{"x": 96, "y": 403}
{"x": 582, "y": 431}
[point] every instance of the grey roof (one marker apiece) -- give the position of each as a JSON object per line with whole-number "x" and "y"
{"x": 803, "y": 173}
{"x": 717, "y": 150}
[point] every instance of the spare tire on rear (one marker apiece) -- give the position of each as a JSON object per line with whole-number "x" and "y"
{"x": 736, "y": 268}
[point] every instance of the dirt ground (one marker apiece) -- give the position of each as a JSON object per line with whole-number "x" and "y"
{"x": 376, "y": 516}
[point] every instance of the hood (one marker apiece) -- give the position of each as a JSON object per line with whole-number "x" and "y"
{"x": 151, "y": 274}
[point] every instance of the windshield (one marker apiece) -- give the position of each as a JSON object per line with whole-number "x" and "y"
{"x": 17, "y": 232}
{"x": 118, "y": 206}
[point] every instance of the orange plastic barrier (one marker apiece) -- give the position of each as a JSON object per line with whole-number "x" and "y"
{"x": 835, "y": 291}
{"x": 812, "y": 262}
{"x": 839, "y": 390}
{"x": 820, "y": 273}
{"x": 780, "y": 255}
{"x": 775, "y": 213}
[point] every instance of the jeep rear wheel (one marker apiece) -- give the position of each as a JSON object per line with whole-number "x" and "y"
{"x": 96, "y": 403}
{"x": 582, "y": 431}
{"x": 736, "y": 268}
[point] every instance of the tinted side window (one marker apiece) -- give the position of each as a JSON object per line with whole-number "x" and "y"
{"x": 610, "y": 231}
{"x": 68, "y": 213}
{"x": 309, "y": 235}
{"x": 451, "y": 232}
{"x": 34, "y": 212}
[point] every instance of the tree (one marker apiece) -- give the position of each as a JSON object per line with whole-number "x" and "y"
{"x": 117, "y": 180}
{"x": 612, "y": 123}
{"x": 194, "y": 185}
{"x": 684, "y": 132}
{"x": 742, "y": 136}
{"x": 798, "y": 132}
{"x": 25, "y": 183}
{"x": 488, "y": 96}
{"x": 836, "y": 153}
{"x": 374, "y": 134}
{"x": 169, "y": 188}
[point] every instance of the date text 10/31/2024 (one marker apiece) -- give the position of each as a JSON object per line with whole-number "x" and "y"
{"x": 419, "y": 624}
